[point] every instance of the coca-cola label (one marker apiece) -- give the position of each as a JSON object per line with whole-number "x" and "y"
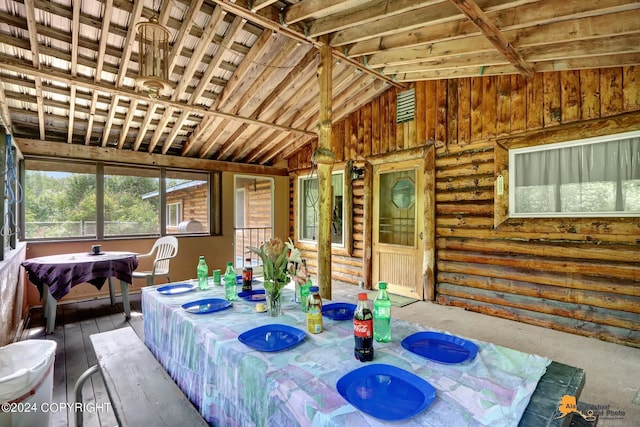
{"x": 363, "y": 328}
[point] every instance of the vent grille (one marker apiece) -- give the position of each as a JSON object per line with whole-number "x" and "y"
{"x": 406, "y": 106}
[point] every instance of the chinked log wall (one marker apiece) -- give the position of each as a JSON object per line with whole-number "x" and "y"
{"x": 579, "y": 275}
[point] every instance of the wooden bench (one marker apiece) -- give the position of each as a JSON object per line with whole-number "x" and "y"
{"x": 140, "y": 390}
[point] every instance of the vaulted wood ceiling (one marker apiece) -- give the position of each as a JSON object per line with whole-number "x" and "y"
{"x": 243, "y": 73}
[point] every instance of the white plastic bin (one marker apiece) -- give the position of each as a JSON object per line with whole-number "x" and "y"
{"x": 26, "y": 383}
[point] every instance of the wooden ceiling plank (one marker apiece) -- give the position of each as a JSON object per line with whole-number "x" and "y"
{"x": 273, "y": 23}
{"x": 17, "y": 66}
{"x": 208, "y": 146}
{"x": 307, "y": 65}
{"x": 127, "y": 123}
{"x": 262, "y": 43}
{"x": 144, "y": 126}
{"x": 199, "y": 51}
{"x": 35, "y": 59}
{"x": 365, "y": 13}
{"x": 92, "y": 115}
{"x": 261, "y": 4}
{"x": 489, "y": 29}
{"x": 235, "y": 79}
{"x": 436, "y": 13}
{"x": 75, "y": 35}
{"x": 316, "y": 9}
{"x": 136, "y": 13}
{"x": 4, "y": 110}
{"x": 187, "y": 22}
{"x": 216, "y": 60}
{"x": 177, "y": 126}
{"x": 166, "y": 116}
{"x": 209, "y": 123}
{"x": 268, "y": 79}
{"x": 232, "y": 143}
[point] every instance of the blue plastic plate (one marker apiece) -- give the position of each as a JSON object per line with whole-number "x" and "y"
{"x": 178, "y": 288}
{"x": 339, "y": 311}
{"x": 386, "y": 392}
{"x": 440, "y": 347}
{"x": 255, "y": 295}
{"x": 209, "y": 305}
{"x": 274, "y": 337}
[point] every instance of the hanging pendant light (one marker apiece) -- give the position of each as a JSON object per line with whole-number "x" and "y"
{"x": 153, "y": 73}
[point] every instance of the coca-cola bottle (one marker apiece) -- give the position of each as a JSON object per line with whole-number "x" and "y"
{"x": 363, "y": 330}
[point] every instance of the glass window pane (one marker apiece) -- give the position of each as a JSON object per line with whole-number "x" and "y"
{"x": 591, "y": 177}
{"x": 60, "y": 200}
{"x": 397, "y": 223}
{"x": 189, "y": 190}
{"x": 309, "y": 209}
{"x": 131, "y": 202}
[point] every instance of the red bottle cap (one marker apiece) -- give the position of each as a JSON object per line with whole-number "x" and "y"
{"x": 362, "y": 296}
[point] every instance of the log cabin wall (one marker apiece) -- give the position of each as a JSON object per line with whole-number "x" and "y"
{"x": 579, "y": 275}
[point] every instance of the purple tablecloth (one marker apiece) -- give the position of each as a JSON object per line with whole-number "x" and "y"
{"x": 62, "y": 272}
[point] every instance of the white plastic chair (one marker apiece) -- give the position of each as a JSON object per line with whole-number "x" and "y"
{"x": 165, "y": 249}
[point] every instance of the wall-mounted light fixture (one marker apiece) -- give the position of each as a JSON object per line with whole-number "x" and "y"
{"x": 357, "y": 173}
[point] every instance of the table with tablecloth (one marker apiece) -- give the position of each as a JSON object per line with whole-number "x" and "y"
{"x": 55, "y": 275}
{"x": 233, "y": 384}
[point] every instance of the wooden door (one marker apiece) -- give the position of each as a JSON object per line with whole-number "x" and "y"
{"x": 398, "y": 204}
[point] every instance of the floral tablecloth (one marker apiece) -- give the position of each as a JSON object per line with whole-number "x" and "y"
{"x": 234, "y": 385}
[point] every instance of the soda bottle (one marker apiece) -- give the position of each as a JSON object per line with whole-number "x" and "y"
{"x": 247, "y": 276}
{"x": 314, "y": 311}
{"x": 230, "y": 292}
{"x": 363, "y": 330}
{"x": 304, "y": 294}
{"x": 382, "y": 314}
{"x": 202, "y": 273}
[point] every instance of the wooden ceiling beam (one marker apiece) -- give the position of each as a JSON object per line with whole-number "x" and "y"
{"x": 489, "y": 29}
{"x": 82, "y": 152}
{"x": 35, "y": 59}
{"x": 365, "y": 13}
{"x": 558, "y": 18}
{"x": 256, "y": 5}
{"x": 102, "y": 46}
{"x": 4, "y": 110}
{"x": 17, "y": 66}
{"x": 317, "y": 9}
{"x": 238, "y": 7}
{"x": 228, "y": 39}
{"x": 124, "y": 65}
{"x": 75, "y": 36}
{"x": 185, "y": 29}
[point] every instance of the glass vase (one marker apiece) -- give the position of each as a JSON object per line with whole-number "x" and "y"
{"x": 274, "y": 303}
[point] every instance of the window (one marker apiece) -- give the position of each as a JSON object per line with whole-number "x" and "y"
{"x": 174, "y": 214}
{"x": 188, "y": 194}
{"x": 85, "y": 200}
{"x": 59, "y": 200}
{"x": 308, "y": 212}
{"x": 127, "y": 212}
{"x": 589, "y": 177}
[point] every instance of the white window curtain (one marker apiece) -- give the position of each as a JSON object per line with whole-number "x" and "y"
{"x": 579, "y": 179}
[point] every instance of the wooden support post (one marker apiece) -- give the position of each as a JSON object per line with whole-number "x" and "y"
{"x": 324, "y": 160}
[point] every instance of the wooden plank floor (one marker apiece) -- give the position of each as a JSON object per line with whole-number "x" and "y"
{"x": 74, "y": 354}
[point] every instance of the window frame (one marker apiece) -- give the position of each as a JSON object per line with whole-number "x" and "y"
{"x": 346, "y": 202}
{"x": 567, "y": 144}
{"x": 628, "y": 122}
{"x": 214, "y": 194}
